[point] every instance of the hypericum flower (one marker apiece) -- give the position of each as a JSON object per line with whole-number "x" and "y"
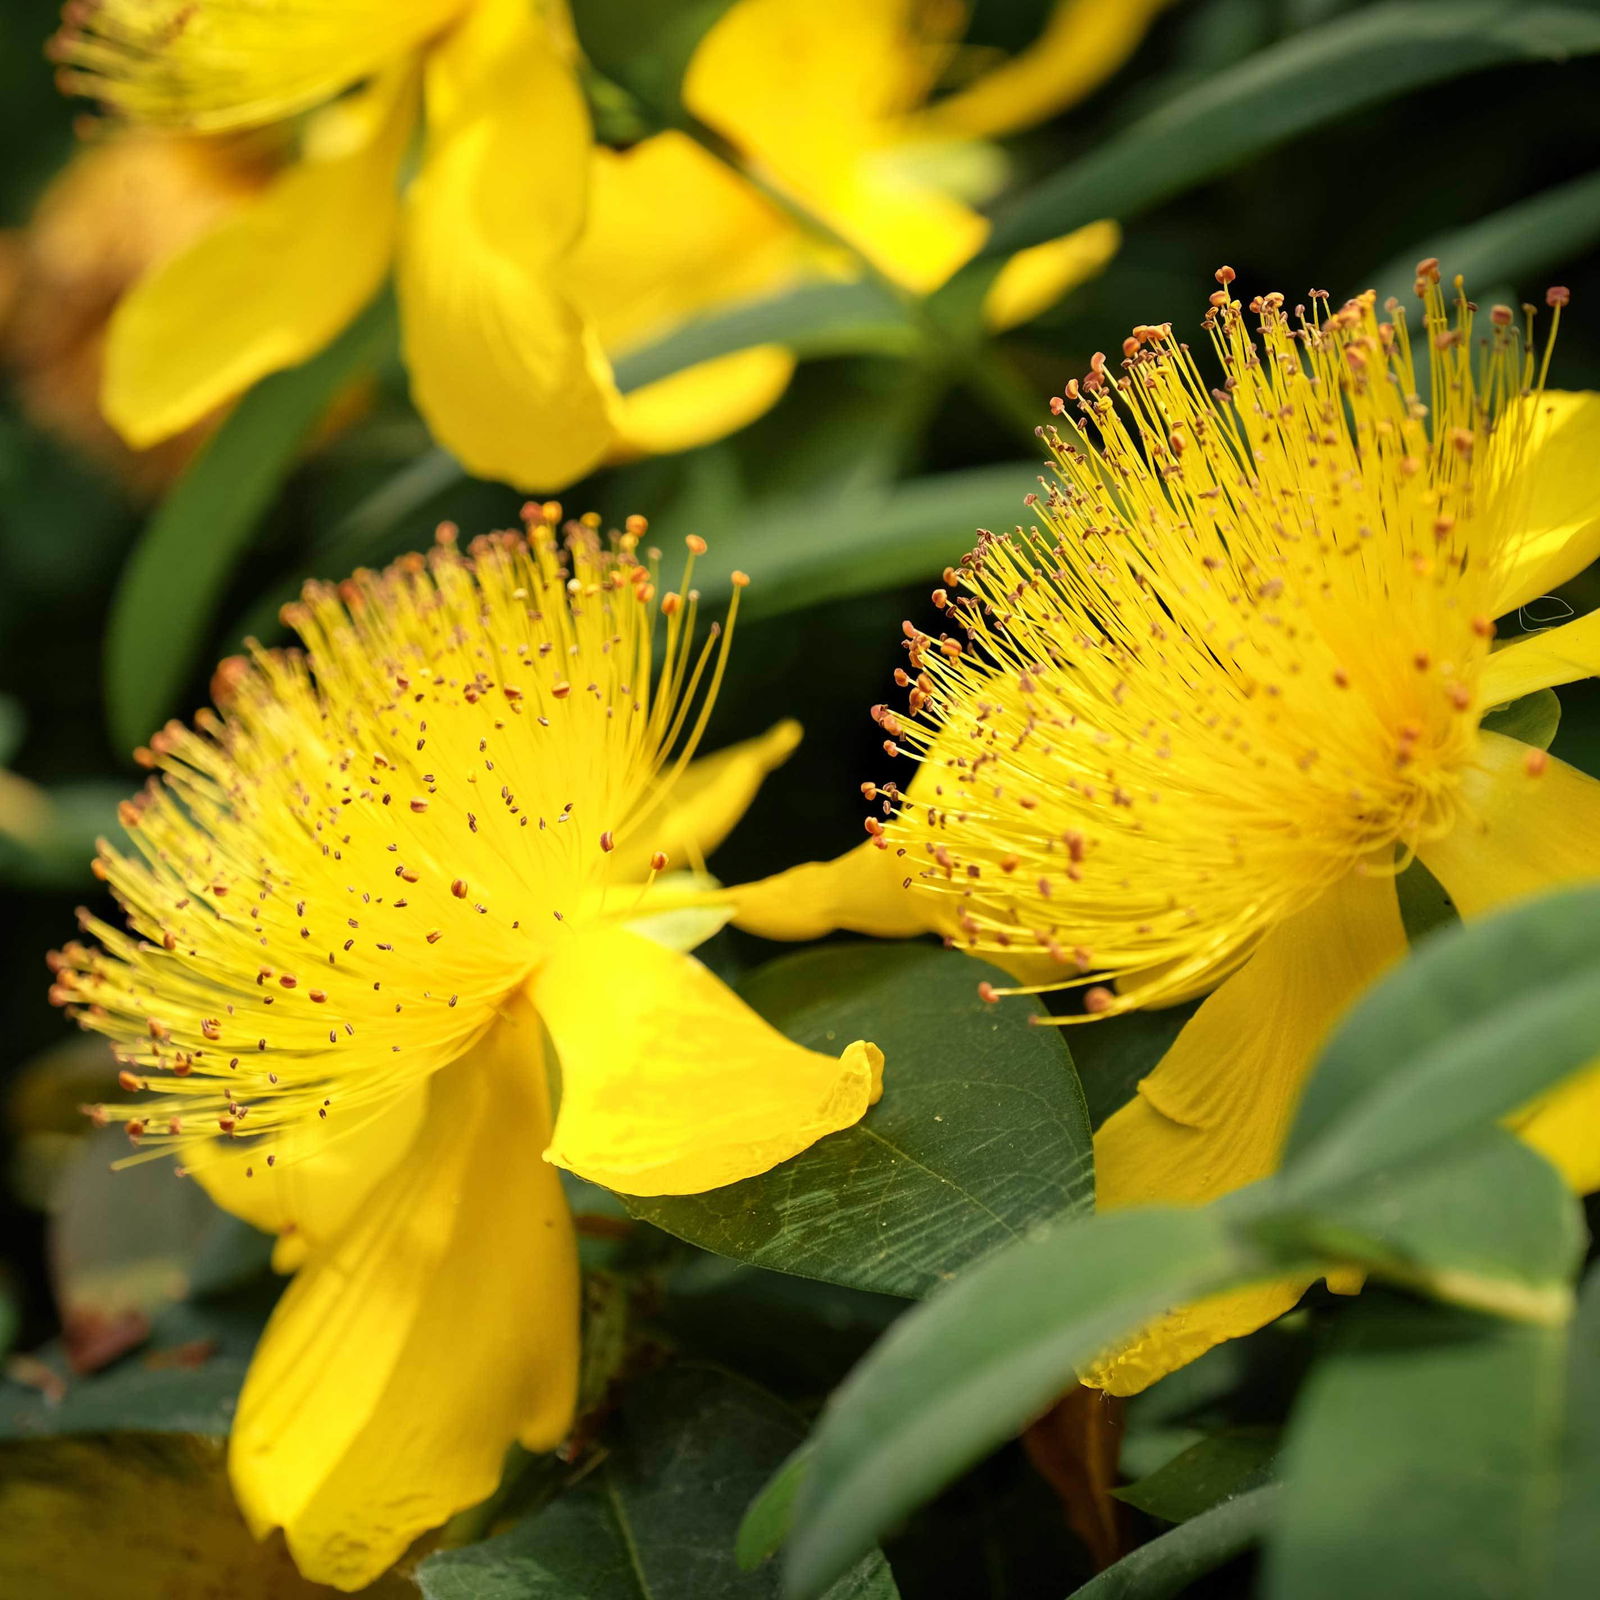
{"x": 1188, "y": 728}
{"x": 365, "y": 894}
{"x": 526, "y": 260}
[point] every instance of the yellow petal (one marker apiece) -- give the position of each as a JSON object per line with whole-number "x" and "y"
{"x": 1528, "y": 823}
{"x": 503, "y": 368}
{"x": 211, "y": 65}
{"x": 695, "y": 814}
{"x": 866, "y": 890}
{"x": 670, "y": 1084}
{"x": 815, "y": 92}
{"x": 1033, "y": 280}
{"x": 659, "y": 912}
{"x": 1214, "y": 1114}
{"x": 638, "y": 271}
{"x": 1082, "y": 44}
{"x": 1564, "y": 1127}
{"x": 439, "y": 1327}
{"x": 272, "y": 284}
{"x": 320, "y": 1173}
{"x": 1556, "y": 498}
{"x": 704, "y": 402}
{"x": 1557, "y": 655}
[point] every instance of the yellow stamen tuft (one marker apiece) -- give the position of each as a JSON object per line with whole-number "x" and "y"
{"x": 343, "y": 877}
{"x": 1237, "y": 657}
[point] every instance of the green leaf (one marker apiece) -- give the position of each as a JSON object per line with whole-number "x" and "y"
{"x": 766, "y": 1524}
{"x": 1217, "y": 1468}
{"x": 1309, "y": 80}
{"x": 815, "y": 319}
{"x": 1483, "y": 1222}
{"x": 956, "y": 1377}
{"x": 980, "y": 1135}
{"x": 658, "y": 1518}
{"x": 647, "y": 48}
{"x": 906, "y": 533}
{"x": 164, "y": 603}
{"x": 1168, "y": 1565}
{"x": 1479, "y": 1020}
{"x": 1506, "y": 246}
{"x": 1417, "y": 1458}
{"x": 1533, "y": 719}
{"x": 1573, "y": 1545}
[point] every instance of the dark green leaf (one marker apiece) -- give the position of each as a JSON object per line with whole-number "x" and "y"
{"x": 1417, "y": 1458}
{"x": 1424, "y": 902}
{"x": 1312, "y": 78}
{"x": 981, "y": 1132}
{"x": 1507, "y": 246}
{"x": 959, "y": 1375}
{"x": 1533, "y": 719}
{"x": 903, "y": 534}
{"x": 658, "y": 1518}
{"x": 163, "y": 607}
{"x": 1476, "y": 1023}
{"x": 1482, "y": 1221}
{"x": 1217, "y": 1468}
{"x": 646, "y": 48}
{"x": 1168, "y": 1565}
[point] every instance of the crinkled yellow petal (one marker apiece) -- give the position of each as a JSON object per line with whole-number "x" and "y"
{"x": 1557, "y": 500}
{"x": 640, "y": 270}
{"x": 1214, "y": 1114}
{"x": 699, "y": 811}
{"x": 704, "y": 402}
{"x": 670, "y": 1084}
{"x": 271, "y": 285}
{"x": 508, "y": 375}
{"x": 1082, "y": 44}
{"x": 212, "y": 64}
{"x": 1034, "y": 279}
{"x": 866, "y": 890}
{"x": 1558, "y": 655}
{"x": 815, "y": 91}
{"x": 1528, "y": 822}
{"x": 438, "y": 1328}
{"x": 320, "y": 1173}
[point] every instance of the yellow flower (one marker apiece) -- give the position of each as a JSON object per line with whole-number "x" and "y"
{"x": 365, "y": 896}
{"x": 526, "y": 260}
{"x": 1187, "y": 729}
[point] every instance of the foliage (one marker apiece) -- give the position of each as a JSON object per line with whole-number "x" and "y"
{"x": 814, "y": 1382}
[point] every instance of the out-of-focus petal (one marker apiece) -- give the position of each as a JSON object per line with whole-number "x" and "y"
{"x": 704, "y": 402}
{"x": 815, "y": 93}
{"x": 206, "y": 65}
{"x": 672, "y": 233}
{"x": 273, "y": 283}
{"x": 507, "y": 373}
{"x": 1214, "y": 1113}
{"x": 440, "y": 1326}
{"x": 1034, "y": 279}
{"x": 670, "y": 1084}
{"x": 1082, "y": 44}
{"x": 1553, "y": 499}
